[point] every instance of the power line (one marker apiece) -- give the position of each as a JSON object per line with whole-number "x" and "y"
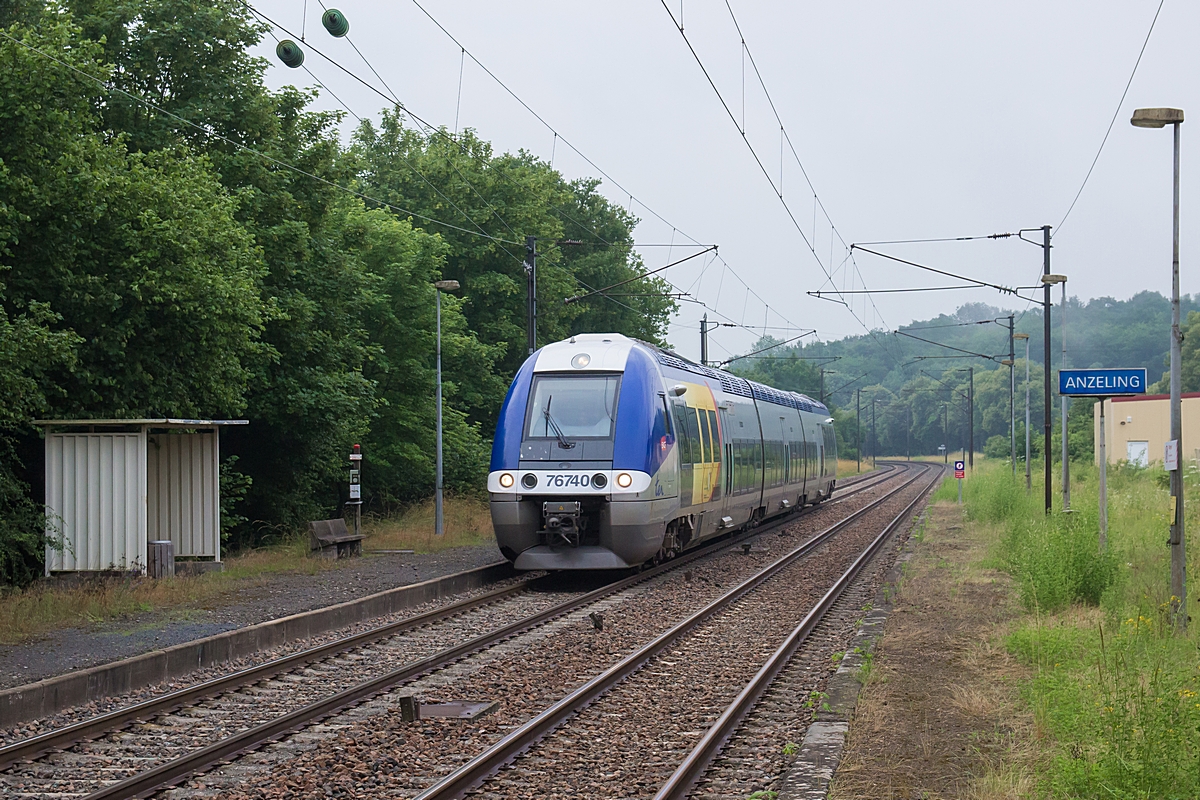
{"x": 818, "y": 294}
{"x": 771, "y": 347}
{"x": 1112, "y": 121}
{"x": 754, "y": 153}
{"x": 948, "y": 347}
{"x": 207, "y": 131}
{"x": 942, "y": 239}
{"x": 558, "y": 136}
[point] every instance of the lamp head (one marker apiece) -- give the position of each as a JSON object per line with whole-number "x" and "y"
{"x": 446, "y": 286}
{"x": 1021, "y": 336}
{"x": 1050, "y": 280}
{"x": 1156, "y": 117}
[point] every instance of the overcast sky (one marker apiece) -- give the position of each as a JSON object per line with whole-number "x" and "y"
{"x": 919, "y": 119}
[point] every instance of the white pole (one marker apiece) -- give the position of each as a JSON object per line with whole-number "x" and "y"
{"x": 1028, "y": 467}
{"x": 1066, "y": 460}
{"x": 438, "y": 524}
{"x": 1178, "y": 559}
{"x": 1103, "y": 482}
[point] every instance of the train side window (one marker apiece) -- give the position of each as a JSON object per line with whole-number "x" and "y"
{"x": 696, "y": 452}
{"x": 681, "y": 433}
{"x": 716, "y": 432}
{"x": 706, "y": 436}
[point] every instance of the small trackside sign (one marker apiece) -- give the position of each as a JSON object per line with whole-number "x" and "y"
{"x": 960, "y": 470}
{"x": 1101, "y": 382}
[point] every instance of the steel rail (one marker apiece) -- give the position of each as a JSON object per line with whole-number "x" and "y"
{"x": 718, "y": 735}
{"x": 171, "y": 772}
{"x": 487, "y": 763}
{"x": 62, "y": 738}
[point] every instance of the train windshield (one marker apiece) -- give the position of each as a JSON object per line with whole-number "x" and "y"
{"x": 572, "y": 406}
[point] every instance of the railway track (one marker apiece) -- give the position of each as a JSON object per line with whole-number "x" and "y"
{"x": 614, "y": 734}
{"x": 145, "y": 747}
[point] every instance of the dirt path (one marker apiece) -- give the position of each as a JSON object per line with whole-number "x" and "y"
{"x": 939, "y": 716}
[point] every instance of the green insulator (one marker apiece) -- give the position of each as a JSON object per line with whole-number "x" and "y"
{"x": 290, "y": 53}
{"x": 335, "y": 22}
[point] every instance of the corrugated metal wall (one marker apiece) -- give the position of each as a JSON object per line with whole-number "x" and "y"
{"x": 96, "y": 500}
{"x": 183, "y": 484}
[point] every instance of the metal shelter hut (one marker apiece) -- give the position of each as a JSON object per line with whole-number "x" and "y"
{"x": 113, "y": 485}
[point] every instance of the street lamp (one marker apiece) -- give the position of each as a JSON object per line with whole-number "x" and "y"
{"x": 1158, "y": 118}
{"x": 439, "y": 520}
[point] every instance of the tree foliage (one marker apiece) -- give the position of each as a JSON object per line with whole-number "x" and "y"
{"x": 174, "y": 242}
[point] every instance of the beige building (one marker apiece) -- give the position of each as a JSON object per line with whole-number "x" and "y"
{"x": 1137, "y": 428}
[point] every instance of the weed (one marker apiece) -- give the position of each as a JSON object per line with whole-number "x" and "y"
{"x": 791, "y": 748}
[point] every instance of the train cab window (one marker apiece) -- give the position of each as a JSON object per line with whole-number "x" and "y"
{"x": 668, "y": 422}
{"x": 572, "y": 406}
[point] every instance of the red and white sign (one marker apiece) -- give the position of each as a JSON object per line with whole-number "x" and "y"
{"x": 960, "y": 470}
{"x": 1171, "y": 455}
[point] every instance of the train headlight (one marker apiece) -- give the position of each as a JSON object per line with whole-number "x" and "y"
{"x": 599, "y": 481}
{"x": 506, "y": 480}
{"x": 529, "y": 480}
{"x": 624, "y": 480}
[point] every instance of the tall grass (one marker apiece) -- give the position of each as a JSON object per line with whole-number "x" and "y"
{"x": 1114, "y": 687}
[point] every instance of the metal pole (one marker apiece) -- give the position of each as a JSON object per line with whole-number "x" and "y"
{"x": 946, "y": 434}
{"x": 908, "y": 433}
{"x": 1066, "y": 453}
{"x": 1012, "y": 390}
{"x": 1178, "y": 563}
{"x": 971, "y": 406}
{"x": 822, "y": 371}
{"x": 531, "y": 291}
{"x": 874, "y": 438}
{"x": 438, "y": 522}
{"x": 858, "y": 426}
{"x": 704, "y": 339}
{"x": 1048, "y": 422}
{"x": 1028, "y": 466}
{"x": 1103, "y": 482}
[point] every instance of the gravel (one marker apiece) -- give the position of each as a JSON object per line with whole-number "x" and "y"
{"x": 629, "y": 742}
{"x": 251, "y": 601}
{"x": 367, "y": 751}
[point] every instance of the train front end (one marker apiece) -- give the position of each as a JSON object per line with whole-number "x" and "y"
{"x": 580, "y": 477}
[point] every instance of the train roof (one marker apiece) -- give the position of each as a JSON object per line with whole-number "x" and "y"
{"x": 734, "y": 384}
{"x": 610, "y": 351}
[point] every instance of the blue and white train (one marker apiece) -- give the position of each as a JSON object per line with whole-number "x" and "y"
{"x": 611, "y": 453}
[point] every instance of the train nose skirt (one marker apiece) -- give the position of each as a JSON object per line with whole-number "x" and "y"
{"x": 583, "y": 557}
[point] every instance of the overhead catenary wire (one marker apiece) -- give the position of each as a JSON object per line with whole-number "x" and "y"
{"x": 1111, "y": 122}
{"x": 770, "y": 347}
{"x": 558, "y": 136}
{"x": 809, "y": 243}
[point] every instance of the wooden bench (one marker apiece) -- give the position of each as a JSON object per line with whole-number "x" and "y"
{"x": 330, "y": 539}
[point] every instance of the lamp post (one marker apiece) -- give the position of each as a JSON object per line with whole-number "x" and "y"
{"x": 1028, "y": 467}
{"x": 1048, "y": 280}
{"x": 439, "y": 520}
{"x": 1158, "y": 118}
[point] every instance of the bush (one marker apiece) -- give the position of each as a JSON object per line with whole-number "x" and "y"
{"x": 998, "y": 447}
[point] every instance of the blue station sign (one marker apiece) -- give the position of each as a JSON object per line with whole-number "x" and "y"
{"x": 1101, "y": 382}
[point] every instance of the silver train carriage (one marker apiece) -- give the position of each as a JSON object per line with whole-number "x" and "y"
{"x": 611, "y": 452}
